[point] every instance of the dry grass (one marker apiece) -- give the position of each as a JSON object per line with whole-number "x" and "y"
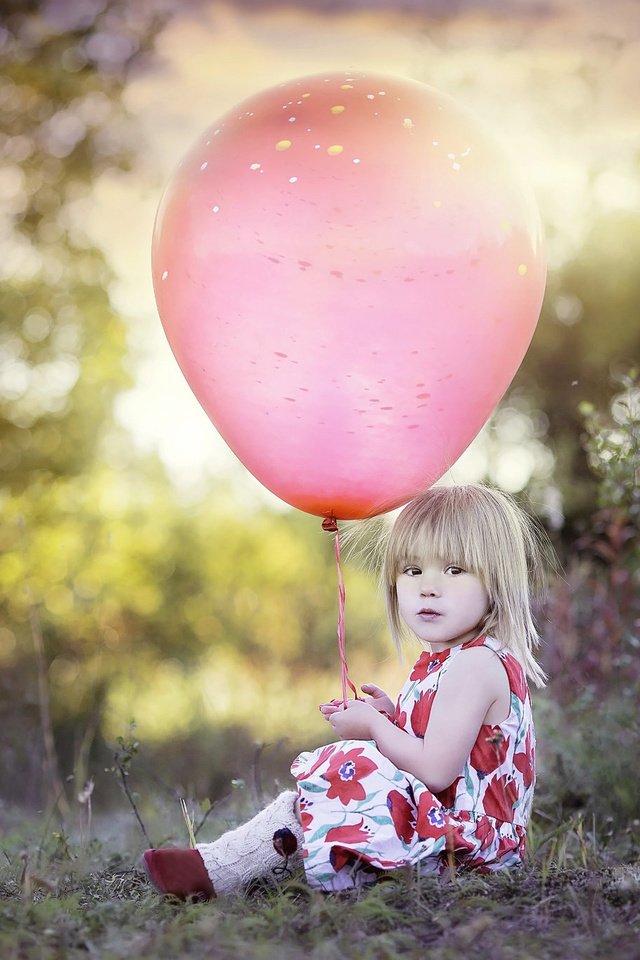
{"x": 62, "y": 901}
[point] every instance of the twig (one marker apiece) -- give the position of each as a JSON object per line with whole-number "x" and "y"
{"x": 125, "y": 786}
{"x": 210, "y": 809}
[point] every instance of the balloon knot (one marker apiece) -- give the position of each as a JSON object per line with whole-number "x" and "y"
{"x": 330, "y": 524}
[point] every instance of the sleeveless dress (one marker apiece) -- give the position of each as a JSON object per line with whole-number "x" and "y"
{"x": 362, "y": 815}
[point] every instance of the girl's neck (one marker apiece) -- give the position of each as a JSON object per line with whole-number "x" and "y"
{"x": 442, "y": 647}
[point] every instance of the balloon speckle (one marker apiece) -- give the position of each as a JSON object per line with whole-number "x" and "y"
{"x": 337, "y": 109}
{"x": 522, "y": 269}
{"x": 283, "y": 145}
{"x": 335, "y": 149}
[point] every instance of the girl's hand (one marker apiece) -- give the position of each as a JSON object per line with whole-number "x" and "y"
{"x": 356, "y": 721}
{"x": 328, "y": 709}
{"x": 378, "y": 699}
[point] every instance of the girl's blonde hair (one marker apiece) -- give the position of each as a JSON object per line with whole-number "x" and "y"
{"x": 486, "y": 532}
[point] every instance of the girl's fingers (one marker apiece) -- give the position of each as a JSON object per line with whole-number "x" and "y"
{"x": 328, "y": 709}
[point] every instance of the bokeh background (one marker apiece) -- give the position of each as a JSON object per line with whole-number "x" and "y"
{"x": 145, "y": 577}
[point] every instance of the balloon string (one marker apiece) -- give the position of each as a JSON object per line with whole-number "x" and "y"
{"x": 329, "y": 524}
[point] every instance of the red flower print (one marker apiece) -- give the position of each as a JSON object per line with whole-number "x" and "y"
{"x": 339, "y": 858}
{"x": 305, "y": 817}
{"x": 421, "y": 711}
{"x": 325, "y": 753}
{"x": 402, "y": 814}
{"x": 501, "y": 797}
{"x": 344, "y": 774}
{"x": 517, "y": 680}
{"x": 457, "y": 843}
{"x": 348, "y": 833}
{"x": 421, "y": 667}
{"x": 431, "y": 820}
{"x": 485, "y": 832}
{"x": 524, "y": 762}
{"x": 490, "y": 750}
{"x": 507, "y": 845}
{"x": 400, "y": 717}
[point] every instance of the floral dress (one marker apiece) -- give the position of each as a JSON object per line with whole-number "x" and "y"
{"x": 361, "y": 814}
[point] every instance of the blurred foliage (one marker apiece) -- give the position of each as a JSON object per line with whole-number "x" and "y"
{"x": 62, "y": 347}
{"x": 588, "y": 760}
{"x": 588, "y": 332}
{"x": 612, "y": 444}
{"x": 208, "y": 623}
{"x": 593, "y": 629}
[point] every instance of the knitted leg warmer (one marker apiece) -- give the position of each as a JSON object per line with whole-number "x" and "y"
{"x": 251, "y": 851}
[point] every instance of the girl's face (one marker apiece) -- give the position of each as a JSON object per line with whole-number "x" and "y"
{"x": 440, "y": 602}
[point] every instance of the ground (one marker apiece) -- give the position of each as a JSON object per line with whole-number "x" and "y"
{"x": 62, "y": 900}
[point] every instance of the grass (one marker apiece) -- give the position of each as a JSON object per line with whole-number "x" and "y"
{"x": 62, "y": 899}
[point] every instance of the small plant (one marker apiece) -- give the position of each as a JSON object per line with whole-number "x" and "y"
{"x": 190, "y": 821}
{"x": 84, "y": 799}
{"x": 612, "y": 445}
{"x": 127, "y": 749}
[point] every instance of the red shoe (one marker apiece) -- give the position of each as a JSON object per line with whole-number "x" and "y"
{"x": 179, "y": 872}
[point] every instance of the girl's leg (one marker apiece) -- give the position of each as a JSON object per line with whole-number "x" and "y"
{"x": 268, "y": 844}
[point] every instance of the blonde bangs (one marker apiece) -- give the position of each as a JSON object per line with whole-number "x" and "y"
{"x": 443, "y": 534}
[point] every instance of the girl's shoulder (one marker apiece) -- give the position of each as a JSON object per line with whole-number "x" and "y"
{"x": 475, "y": 660}
{"x": 510, "y": 663}
{"x": 503, "y": 656}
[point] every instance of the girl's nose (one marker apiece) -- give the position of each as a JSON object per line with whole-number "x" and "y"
{"x": 429, "y": 587}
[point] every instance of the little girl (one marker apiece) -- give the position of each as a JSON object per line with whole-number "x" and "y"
{"x": 444, "y": 778}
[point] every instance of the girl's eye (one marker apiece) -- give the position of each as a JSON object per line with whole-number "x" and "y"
{"x": 454, "y": 570}
{"x": 412, "y": 571}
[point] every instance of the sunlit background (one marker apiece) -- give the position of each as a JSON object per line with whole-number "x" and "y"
{"x": 168, "y": 586}
{"x": 559, "y": 91}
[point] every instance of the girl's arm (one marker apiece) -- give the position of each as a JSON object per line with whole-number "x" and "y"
{"x": 474, "y": 680}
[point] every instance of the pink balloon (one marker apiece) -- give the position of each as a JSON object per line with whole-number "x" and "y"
{"x": 349, "y": 273}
